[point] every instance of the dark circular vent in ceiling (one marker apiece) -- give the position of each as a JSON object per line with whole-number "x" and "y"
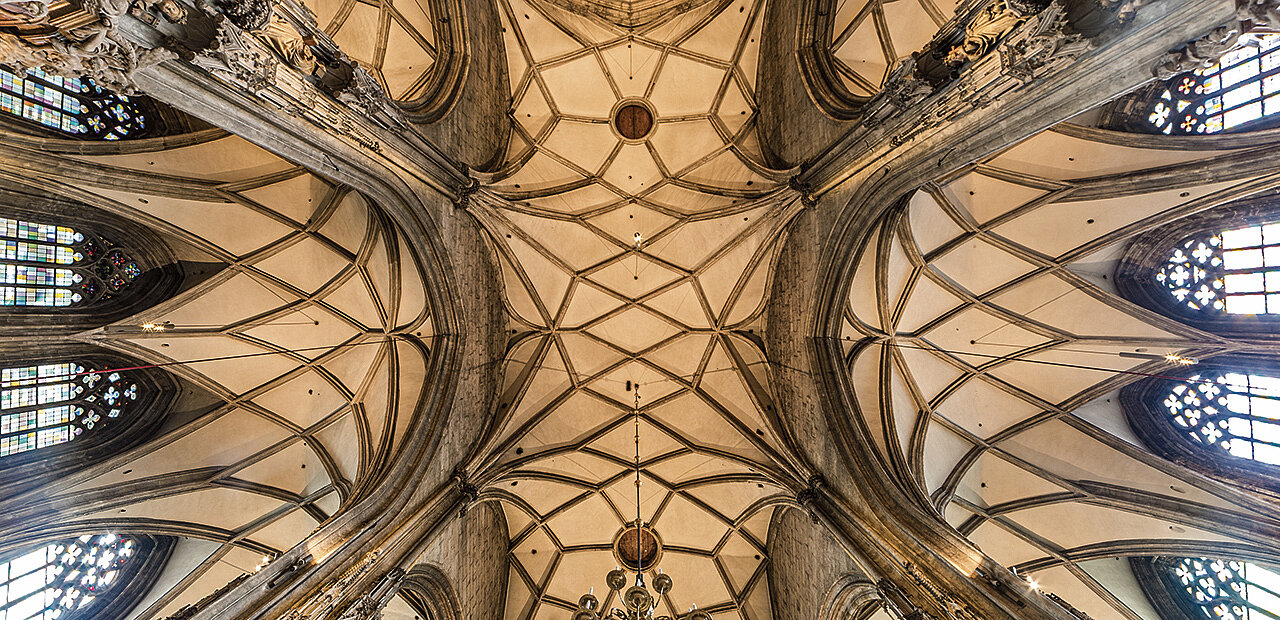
{"x": 637, "y": 557}
{"x": 633, "y": 121}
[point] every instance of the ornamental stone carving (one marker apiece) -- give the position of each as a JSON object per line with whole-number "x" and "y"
{"x": 1042, "y": 45}
{"x": 1259, "y": 13}
{"x": 97, "y": 50}
{"x": 1202, "y": 52}
{"x": 985, "y": 30}
{"x": 370, "y": 605}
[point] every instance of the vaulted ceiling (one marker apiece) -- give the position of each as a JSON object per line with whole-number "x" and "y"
{"x": 307, "y": 395}
{"x": 635, "y": 263}
{"x": 1009, "y": 262}
{"x": 641, "y": 269}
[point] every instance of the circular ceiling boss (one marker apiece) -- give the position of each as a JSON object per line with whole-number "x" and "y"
{"x": 633, "y": 556}
{"x": 632, "y": 119}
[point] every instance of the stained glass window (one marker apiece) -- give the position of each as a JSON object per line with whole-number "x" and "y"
{"x": 54, "y": 266}
{"x": 74, "y": 106}
{"x": 1234, "y": 412}
{"x": 1242, "y": 87}
{"x": 49, "y": 404}
{"x": 1228, "y": 590}
{"x": 1236, "y": 271}
{"x": 59, "y": 579}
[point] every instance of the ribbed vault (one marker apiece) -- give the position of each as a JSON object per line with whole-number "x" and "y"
{"x": 316, "y": 377}
{"x": 632, "y": 262}
{"x": 1010, "y": 261}
{"x": 866, "y": 38}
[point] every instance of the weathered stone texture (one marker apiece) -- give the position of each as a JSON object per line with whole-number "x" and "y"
{"x": 804, "y": 563}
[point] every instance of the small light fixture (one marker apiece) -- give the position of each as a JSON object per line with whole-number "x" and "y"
{"x": 156, "y": 327}
{"x": 1172, "y": 358}
{"x": 1033, "y": 584}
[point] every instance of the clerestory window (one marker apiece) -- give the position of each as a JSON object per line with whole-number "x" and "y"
{"x": 1233, "y": 94}
{"x": 74, "y": 106}
{"x": 50, "y": 404}
{"x": 68, "y": 579}
{"x": 44, "y": 264}
{"x": 1210, "y": 588}
{"x": 1234, "y": 413}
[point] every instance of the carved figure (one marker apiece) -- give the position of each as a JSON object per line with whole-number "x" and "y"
{"x": 293, "y": 48}
{"x": 29, "y": 11}
{"x": 247, "y": 14}
{"x": 986, "y": 29}
{"x": 1262, "y": 13}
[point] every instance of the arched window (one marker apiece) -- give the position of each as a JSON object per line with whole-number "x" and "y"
{"x": 1221, "y": 418}
{"x": 1210, "y": 588}
{"x": 1235, "y": 271}
{"x": 50, "y": 404}
{"x": 49, "y": 265}
{"x": 1235, "y": 412}
{"x": 73, "y": 106}
{"x": 64, "y": 407}
{"x": 94, "y": 576}
{"x": 1242, "y": 88}
{"x": 1218, "y": 271}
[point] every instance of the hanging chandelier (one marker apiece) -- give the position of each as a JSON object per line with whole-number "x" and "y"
{"x": 638, "y": 602}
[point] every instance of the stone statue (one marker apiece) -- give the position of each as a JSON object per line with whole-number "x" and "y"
{"x": 986, "y": 29}
{"x": 289, "y": 44}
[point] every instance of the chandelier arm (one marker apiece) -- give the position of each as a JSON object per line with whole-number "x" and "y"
{"x": 641, "y": 604}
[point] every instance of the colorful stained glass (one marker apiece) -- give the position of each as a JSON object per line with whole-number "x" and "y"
{"x": 51, "y": 404}
{"x": 71, "y": 105}
{"x": 1227, "y": 589}
{"x": 1234, "y": 272}
{"x": 1237, "y": 413}
{"x": 55, "y": 580}
{"x": 87, "y": 267}
{"x": 1225, "y": 96}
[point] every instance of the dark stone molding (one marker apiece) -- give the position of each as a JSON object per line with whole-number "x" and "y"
{"x": 852, "y": 597}
{"x": 1142, "y": 409}
{"x": 449, "y": 72}
{"x": 1148, "y": 252}
{"x": 153, "y": 553}
{"x": 1120, "y": 137}
{"x": 814, "y": 57}
{"x": 61, "y": 146}
{"x": 1161, "y": 592}
{"x": 428, "y": 592}
{"x": 158, "y": 391}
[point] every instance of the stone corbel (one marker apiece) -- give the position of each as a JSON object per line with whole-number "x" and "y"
{"x": 470, "y": 493}
{"x": 808, "y": 498}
